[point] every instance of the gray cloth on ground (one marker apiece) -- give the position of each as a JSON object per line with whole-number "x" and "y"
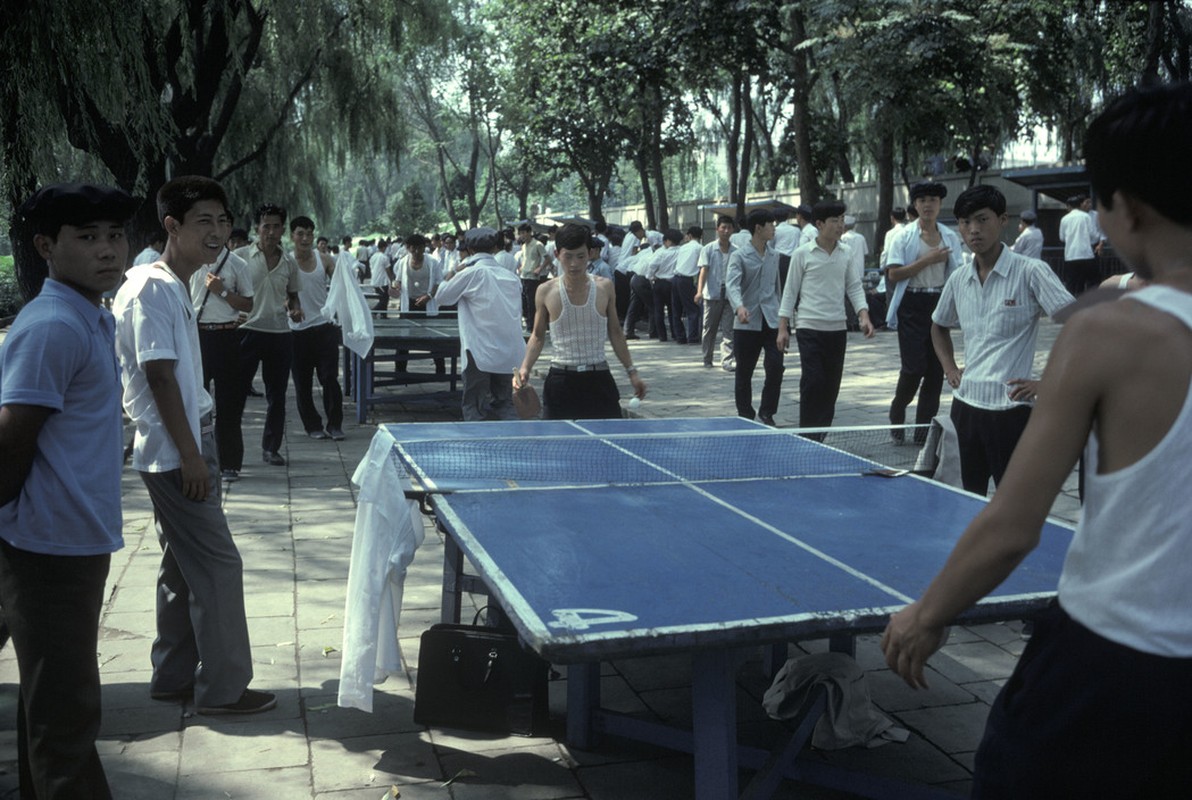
{"x": 940, "y": 454}
{"x": 850, "y": 719}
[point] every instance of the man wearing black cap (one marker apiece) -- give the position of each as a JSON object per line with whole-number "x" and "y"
{"x": 60, "y": 462}
{"x": 490, "y": 333}
{"x": 920, "y": 261}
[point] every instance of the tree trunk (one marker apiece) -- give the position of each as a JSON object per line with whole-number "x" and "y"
{"x": 647, "y": 195}
{"x": 746, "y": 152}
{"x": 809, "y": 188}
{"x": 732, "y": 149}
{"x": 656, "y": 160}
{"x": 885, "y": 184}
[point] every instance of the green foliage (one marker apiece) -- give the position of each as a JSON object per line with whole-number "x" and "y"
{"x": 10, "y": 296}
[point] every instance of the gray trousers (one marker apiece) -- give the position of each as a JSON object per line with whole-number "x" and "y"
{"x": 487, "y": 395}
{"x": 202, "y": 633}
{"x": 718, "y": 324}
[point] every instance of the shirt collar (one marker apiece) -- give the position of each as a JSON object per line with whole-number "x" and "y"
{"x": 91, "y": 313}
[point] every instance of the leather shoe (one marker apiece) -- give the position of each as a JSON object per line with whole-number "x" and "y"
{"x": 273, "y": 458}
{"x": 250, "y": 702}
{"x": 766, "y": 419}
{"x": 336, "y": 434}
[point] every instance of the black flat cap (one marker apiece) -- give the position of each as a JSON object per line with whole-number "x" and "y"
{"x": 75, "y": 204}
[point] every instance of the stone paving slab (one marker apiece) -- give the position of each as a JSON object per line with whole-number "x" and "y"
{"x": 293, "y": 525}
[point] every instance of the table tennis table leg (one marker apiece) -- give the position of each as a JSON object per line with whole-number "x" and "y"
{"x": 583, "y": 702}
{"x": 453, "y": 569}
{"x": 714, "y": 723}
{"x": 843, "y": 643}
{"x": 362, "y": 378}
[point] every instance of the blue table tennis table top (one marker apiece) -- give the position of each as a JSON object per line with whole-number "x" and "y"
{"x": 607, "y": 571}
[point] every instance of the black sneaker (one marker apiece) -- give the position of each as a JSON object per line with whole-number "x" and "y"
{"x": 336, "y": 434}
{"x": 274, "y": 458}
{"x": 251, "y": 702}
{"x": 317, "y": 434}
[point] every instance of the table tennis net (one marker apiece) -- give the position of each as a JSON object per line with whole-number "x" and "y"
{"x": 629, "y": 459}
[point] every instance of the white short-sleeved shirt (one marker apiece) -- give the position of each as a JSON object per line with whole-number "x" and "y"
{"x": 715, "y": 260}
{"x": 155, "y": 321}
{"x": 687, "y": 259}
{"x": 234, "y": 274}
{"x": 1000, "y": 320}
{"x": 271, "y": 288}
{"x": 1029, "y": 243}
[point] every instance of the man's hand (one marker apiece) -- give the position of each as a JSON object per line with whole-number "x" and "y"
{"x": 196, "y": 481}
{"x": 953, "y": 376}
{"x": 639, "y": 386}
{"x": 908, "y": 643}
{"x": 214, "y": 284}
{"x": 937, "y": 255}
{"x": 743, "y": 314}
{"x": 1023, "y": 390}
{"x": 784, "y": 338}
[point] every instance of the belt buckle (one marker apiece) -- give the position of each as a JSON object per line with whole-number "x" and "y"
{"x": 583, "y": 368}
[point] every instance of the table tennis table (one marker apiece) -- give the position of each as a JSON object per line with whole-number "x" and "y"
{"x": 616, "y": 539}
{"x": 398, "y": 344}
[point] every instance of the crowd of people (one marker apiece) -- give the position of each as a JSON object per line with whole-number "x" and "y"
{"x": 210, "y": 308}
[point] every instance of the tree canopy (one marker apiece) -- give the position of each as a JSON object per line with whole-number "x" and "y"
{"x": 423, "y": 114}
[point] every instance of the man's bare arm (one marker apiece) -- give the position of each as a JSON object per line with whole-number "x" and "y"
{"x": 20, "y": 425}
{"x": 537, "y": 336}
{"x": 941, "y": 340}
{"x": 196, "y": 484}
{"x": 1009, "y": 527}
{"x": 616, "y": 337}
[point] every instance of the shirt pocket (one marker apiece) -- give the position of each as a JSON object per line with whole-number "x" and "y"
{"x": 1008, "y": 321}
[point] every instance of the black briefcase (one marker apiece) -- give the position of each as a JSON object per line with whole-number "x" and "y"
{"x": 481, "y": 679}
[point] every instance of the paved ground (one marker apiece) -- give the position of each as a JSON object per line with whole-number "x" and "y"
{"x": 294, "y": 526}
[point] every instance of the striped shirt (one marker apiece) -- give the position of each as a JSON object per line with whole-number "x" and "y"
{"x": 1000, "y": 320}
{"x": 579, "y": 333}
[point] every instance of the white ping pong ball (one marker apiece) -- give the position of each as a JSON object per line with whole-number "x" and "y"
{"x": 635, "y": 403}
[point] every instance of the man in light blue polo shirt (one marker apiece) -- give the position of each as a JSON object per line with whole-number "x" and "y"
{"x": 60, "y": 460}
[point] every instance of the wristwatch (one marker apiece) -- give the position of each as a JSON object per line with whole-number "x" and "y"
{"x": 224, "y": 294}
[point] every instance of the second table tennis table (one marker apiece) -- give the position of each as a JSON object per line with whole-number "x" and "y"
{"x": 398, "y": 343}
{"x": 617, "y": 539}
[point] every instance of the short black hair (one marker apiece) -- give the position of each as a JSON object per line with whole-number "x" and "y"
{"x": 268, "y": 209}
{"x": 238, "y": 233}
{"x": 525, "y": 227}
{"x": 724, "y": 219}
{"x": 178, "y": 196}
{"x": 673, "y": 235}
{"x": 898, "y": 213}
{"x": 757, "y": 218}
{"x": 322, "y": 239}
{"x": 571, "y": 236}
{"x": 928, "y": 189}
{"x": 346, "y": 241}
{"x": 696, "y": 233}
{"x": 595, "y": 243}
{"x": 825, "y": 209}
{"x": 301, "y": 222}
{"x": 1139, "y": 145}
{"x": 975, "y": 198}
{"x": 635, "y": 226}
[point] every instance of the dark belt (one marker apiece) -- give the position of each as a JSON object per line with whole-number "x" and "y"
{"x": 924, "y": 289}
{"x": 601, "y": 367}
{"x": 218, "y": 326}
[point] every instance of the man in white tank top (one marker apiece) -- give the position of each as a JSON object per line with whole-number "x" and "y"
{"x": 1100, "y": 704}
{"x": 582, "y": 313}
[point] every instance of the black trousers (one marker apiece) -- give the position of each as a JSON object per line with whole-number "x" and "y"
{"x": 1080, "y": 275}
{"x": 274, "y": 353}
{"x": 664, "y": 310}
{"x": 1083, "y": 716}
{"x": 621, "y": 284}
{"x": 641, "y": 304}
{"x": 221, "y": 366}
{"x": 52, "y": 604}
{"x": 580, "y": 395}
{"x": 986, "y": 440}
{"x": 316, "y": 353}
{"x": 683, "y": 300}
{"x": 747, "y": 347}
{"x": 529, "y": 292}
{"x": 821, "y": 362}
{"x": 921, "y": 372}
